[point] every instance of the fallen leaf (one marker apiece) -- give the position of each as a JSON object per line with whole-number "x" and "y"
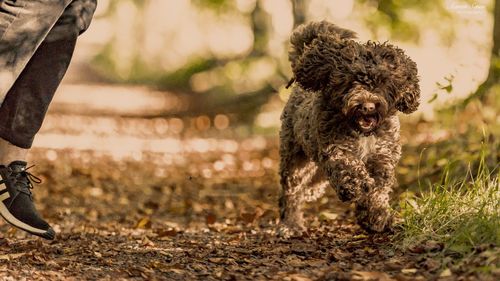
{"x": 370, "y": 276}
{"x": 393, "y": 264}
{"x": 298, "y": 277}
{"x": 177, "y": 270}
{"x": 360, "y": 237}
{"x": 431, "y": 245}
{"x": 328, "y": 216}
{"x": 295, "y": 261}
{"x": 11, "y": 256}
{"x": 431, "y": 264}
{"x": 146, "y": 242}
{"x": 216, "y": 260}
{"x": 251, "y": 217}
{"x": 445, "y": 273}
{"x": 417, "y": 249}
{"x": 143, "y": 223}
{"x": 165, "y": 233}
{"x": 248, "y": 217}
{"x": 210, "y": 218}
{"x": 409, "y": 270}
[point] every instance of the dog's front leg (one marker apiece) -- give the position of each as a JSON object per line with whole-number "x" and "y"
{"x": 346, "y": 173}
{"x": 373, "y": 211}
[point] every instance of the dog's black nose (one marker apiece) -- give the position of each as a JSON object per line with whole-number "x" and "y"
{"x": 368, "y": 107}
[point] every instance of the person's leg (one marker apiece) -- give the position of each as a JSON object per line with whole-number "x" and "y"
{"x": 24, "y": 107}
{"x": 26, "y": 103}
{"x": 24, "y": 24}
{"x": 10, "y": 152}
{"x": 23, "y": 111}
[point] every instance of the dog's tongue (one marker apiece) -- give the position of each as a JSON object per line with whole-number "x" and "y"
{"x": 367, "y": 122}
{"x": 369, "y": 119}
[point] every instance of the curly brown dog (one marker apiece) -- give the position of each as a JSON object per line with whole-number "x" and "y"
{"x": 340, "y": 126}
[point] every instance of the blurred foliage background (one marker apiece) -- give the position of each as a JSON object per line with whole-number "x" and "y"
{"x": 230, "y": 57}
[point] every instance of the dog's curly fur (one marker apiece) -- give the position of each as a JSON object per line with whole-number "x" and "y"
{"x": 339, "y": 126}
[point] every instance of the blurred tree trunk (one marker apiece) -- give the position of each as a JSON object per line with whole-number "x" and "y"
{"x": 299, "y": 12}
{"x": 496, "y": 29}
{"x": 260, "y": 28}
{"x": 494, "y": 71}
{"x": 246, "y": 106}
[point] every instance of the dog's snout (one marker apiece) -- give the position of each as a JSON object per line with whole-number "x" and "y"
{"x": 368, "y": 107}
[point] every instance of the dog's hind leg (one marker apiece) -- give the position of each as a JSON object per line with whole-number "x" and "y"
{"x": 299, "y": 178}
{"x": 292, "y": 169}
{"x": 316, "y": 184}
{"x": 304, "y": 183}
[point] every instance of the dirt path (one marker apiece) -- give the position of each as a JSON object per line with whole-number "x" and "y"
{"x": 192, "y": 214}
{"x": 116, "y": 220}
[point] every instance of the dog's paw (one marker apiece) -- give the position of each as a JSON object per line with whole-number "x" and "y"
{"x": 396, "y": 223}
{"x": 376, "y": 219}
{"x": 353, "y": 191}
{"x": 379, "y": 224}
{"x": 347, "y": 194}
{"x": 287, "y": 231}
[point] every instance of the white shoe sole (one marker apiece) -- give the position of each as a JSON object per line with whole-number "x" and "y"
{"x": 8, "y": 217}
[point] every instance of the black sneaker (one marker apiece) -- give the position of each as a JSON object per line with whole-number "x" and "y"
{"x": 16, "y": 201}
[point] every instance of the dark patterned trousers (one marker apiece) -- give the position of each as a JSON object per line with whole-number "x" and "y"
{"x": 37, "y": 39}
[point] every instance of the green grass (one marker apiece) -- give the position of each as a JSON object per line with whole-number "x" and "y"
{"x": 454, "y": 183}
{"x": 460, "y": 213}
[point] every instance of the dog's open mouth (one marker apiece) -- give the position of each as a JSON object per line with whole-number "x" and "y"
{"x": 367, "y": 123}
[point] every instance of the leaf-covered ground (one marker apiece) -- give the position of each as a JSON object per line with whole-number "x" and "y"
{"x": 206, "y": 211}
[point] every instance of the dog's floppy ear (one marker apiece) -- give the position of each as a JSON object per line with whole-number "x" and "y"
{"x": 410, "y": 97}
{"x": 403, "y": 78}
{"x": 316, "y": 54}
{"x": 313, "y": 68}
{"x": 326, "y": 63}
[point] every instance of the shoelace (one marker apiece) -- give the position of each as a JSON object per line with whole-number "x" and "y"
{"x": 26, "y": 180}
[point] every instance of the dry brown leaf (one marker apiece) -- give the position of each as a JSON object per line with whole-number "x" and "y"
{"x": 11, "y": 256}
{"x": 393, "y": 264}
{"x": 370, "y": 276}
{"x": 297, "y": 277}
{"x": 431, "y": 264}
{"x": 210, "y": 218}
{"x": 431, "y": 245}
{"x": 216, "y": 260}
{"x": 166, "y": 232}
{"x": 328, "y": 216}
{"x": 248, "y": 217}
{"x": 409, "y": 270}
{"x": 143, "y": 223}
{"x": 445, "y": 273}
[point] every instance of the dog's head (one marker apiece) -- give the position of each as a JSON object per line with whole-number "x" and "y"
{"x": 366, "y": 82}
{"x": 365, "y": 110}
